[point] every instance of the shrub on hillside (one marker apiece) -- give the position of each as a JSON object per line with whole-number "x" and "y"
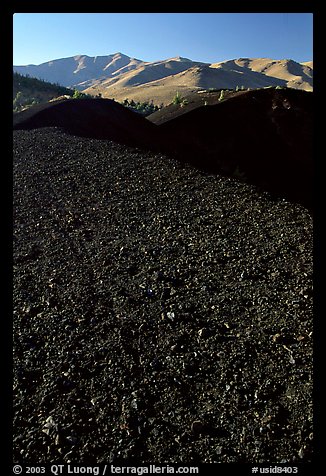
{"x": 178, "y": 99}
{"x": 144, "y": 108}
{"x": 78, "y": 95}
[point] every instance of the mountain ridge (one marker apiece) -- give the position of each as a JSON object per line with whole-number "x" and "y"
{"x": 120, "y": 76}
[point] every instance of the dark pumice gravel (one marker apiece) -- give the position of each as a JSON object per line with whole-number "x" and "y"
{"x": 161, "y": 314}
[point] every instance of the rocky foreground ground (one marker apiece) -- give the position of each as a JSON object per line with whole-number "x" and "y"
{"x": 161, "y": 314}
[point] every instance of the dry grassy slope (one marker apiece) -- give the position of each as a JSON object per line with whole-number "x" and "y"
{"x": 160, "y": 81}
{"x": 149, "y": 73}
{"x": 308, "y": 63}
{"x": 112, "y": 71}
{"x": 295, "y": 75}
{"x": 150, "y": 81}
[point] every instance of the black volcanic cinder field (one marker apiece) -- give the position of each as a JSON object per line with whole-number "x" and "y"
{"x": 162, "y": 313}
{"x": 262, "y": 136}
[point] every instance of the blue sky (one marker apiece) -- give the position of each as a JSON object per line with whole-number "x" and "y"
{"x": 208, "y": 37}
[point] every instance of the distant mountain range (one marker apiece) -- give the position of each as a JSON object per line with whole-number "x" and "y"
{"x": 119, "y": 76}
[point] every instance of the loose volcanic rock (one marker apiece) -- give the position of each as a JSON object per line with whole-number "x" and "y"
{"x": 93, "y": 118}
{"x": 160, "y": 313}
{"x": 261, "y": 136}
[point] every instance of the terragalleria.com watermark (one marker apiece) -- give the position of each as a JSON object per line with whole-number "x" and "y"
{"x": 63, "y": 469}
{"x": 59, "y": 469}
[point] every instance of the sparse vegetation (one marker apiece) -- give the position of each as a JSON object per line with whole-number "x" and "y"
{"x": 144, "y": 108}
{"x": 79, "y": 95}
{"x": 178, "y": 99}
{"x": 29, "y": 91}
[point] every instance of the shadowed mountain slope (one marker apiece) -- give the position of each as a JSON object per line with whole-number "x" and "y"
{"x": 79, "y": 69}
{"x": 30, "y": 91}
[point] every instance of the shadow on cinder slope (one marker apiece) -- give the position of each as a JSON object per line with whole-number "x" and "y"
{"x": 94, "y": 118}
{"x": 261, "y": 136}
